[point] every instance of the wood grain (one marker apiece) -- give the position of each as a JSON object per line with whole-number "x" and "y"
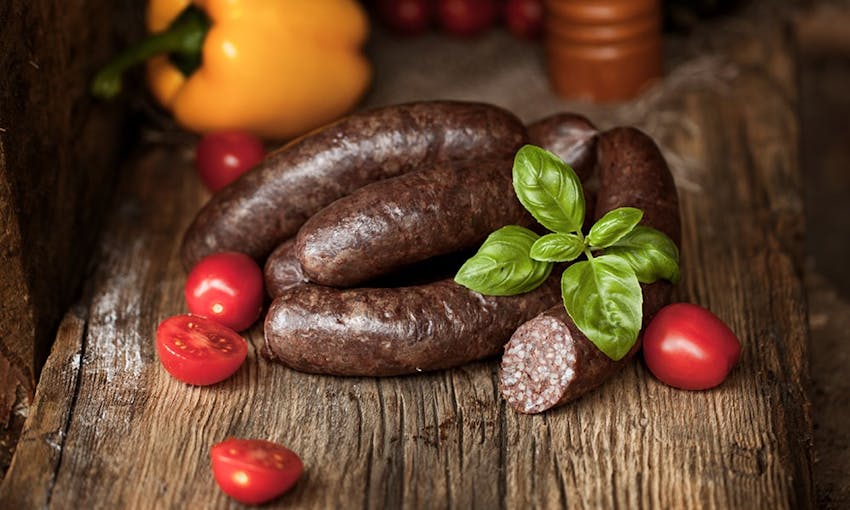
{"x": 128, "y": 435}
{"x": 58, "y": 155}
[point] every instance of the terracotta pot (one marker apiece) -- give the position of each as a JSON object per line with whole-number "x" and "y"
{"x": 603, "y": 50}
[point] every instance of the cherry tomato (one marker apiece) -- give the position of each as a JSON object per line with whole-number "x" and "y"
{"x": 406, "y": 17}
{"x": 688, "y": 347}
{"x": 226, "y": 287}
{"x": 466, "y": 17}
{"x": 253, "y": 471}
{"x": 199, "y": 351}
{"x": 221, "y": 157}
{"x": 524, "y": 18}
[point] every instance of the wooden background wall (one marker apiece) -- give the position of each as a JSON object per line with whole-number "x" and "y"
{"x": 58, "y": 155}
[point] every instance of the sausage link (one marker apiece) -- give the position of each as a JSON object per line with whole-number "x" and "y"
{"x": 571, "y": 136}
{"x": 270, "y": 203}
{"x": 282, "y": 270}
{"x": 633, "y": 172}
{"x": 548, "y": 361}
{"x": 394, "y": 331}
{"x": 406, "y": 219}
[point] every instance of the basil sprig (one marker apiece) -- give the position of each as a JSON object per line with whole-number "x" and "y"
{"x": 601, "y": 294}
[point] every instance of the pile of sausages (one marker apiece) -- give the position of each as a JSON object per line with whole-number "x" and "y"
{"x": 360, "y": 225}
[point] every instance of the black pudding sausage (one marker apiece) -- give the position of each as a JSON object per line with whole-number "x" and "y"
{"x": 396, "y": 222}
{"x": 394, "y": 331}
{"x": 282, "y": 270}
{"x": 569, "y": 135}
{"x": 269, "y": 204}
{"x": 548, "y": 361}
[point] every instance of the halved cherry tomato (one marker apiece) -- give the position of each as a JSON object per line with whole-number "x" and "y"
{"x": 222, "y": 156}
{"x": 253, "y": 471}
{"x": 688, "y": 347}
{"x": 227, "y": 287}
{"x": 199, "y": 351}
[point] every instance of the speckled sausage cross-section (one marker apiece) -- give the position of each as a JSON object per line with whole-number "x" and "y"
{"x": 268, "y": 204}
{"x": 406, "y": 219}
{"x": 548, "y": 361}
{"x": 394, "y": 331}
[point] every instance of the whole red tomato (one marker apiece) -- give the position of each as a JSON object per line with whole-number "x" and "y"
{"x": 226, "y": 287}
{"x": 221, "y": 157}
{"x": 406, "y": 17}
{"x": 524, "y": 18}
{"x": 253, "y": 471}
{"x": 199, "y": 351}
{"x": 466, "y": 17}
{"x": 688, "y": 347}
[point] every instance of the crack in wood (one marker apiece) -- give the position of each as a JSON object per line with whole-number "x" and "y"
{"x": 502, "y": 480}
{"x": 562, "y": 489}
{"x": 63, "y": 432}
{"x": 367, "y": 493}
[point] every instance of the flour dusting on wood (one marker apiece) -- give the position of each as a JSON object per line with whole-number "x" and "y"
{"x": 114, "y": 343}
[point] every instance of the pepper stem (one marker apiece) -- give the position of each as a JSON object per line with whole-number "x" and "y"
{"x": 183, "y": 39}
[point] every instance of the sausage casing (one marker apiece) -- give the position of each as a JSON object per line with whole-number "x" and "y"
{"x": 394, "y": 331}
{"x": 407, "y": 219}
{"x": 269, "y": 204}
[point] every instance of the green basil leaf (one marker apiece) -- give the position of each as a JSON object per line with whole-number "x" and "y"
{"x": 651, "y": 254}
{"x": 502, "y": 266}
{"x": 613, "y": 226}
{"x": 549, "y": 189}
{"x": 604, "y": 299}
{"x": 557, "y": 248}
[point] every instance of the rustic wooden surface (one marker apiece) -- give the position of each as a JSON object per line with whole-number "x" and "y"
{"x": 58, "y": 151}
{"x": 109, "y": 428}
{"x": 825, "y": 107}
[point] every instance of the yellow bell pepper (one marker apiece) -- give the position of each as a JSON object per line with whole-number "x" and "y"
{"x": 277, "y": 68}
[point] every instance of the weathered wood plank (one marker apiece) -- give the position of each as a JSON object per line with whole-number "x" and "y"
{"x": 137, "y": 438}
{"x": 58, "y": 155}
{"x": 43, "y": 439}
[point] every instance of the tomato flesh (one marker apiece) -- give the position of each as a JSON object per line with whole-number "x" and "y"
{"x": 222, "y": 156}
{"x": 688, "y": 347}
{"x": 254, "y": 471}
{"x": 199, "y": 351}
{"x": 226, "y": 287}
